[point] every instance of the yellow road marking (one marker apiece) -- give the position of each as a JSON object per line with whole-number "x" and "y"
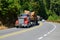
{"x": 19, "y": 32}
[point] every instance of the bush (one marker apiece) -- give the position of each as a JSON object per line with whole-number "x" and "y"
{"x": 53, "y": 17}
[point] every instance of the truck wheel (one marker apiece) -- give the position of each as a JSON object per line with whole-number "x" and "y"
{"x": 28, "y": 25}
{"x": 16, "y": 26}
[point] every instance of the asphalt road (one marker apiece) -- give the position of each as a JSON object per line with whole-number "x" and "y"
{"x": 43, "y": 31}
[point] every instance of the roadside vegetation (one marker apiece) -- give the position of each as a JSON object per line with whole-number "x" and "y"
{"x": 48, "y": 9}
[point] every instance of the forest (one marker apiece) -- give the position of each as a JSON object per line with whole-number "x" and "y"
{"x": 48, "y": 9}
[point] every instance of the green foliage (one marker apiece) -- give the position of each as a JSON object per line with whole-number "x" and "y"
{"x": 33, "y": 6}
{"x": 48, "y": 9}
{"x": 53, "y": 17}
{"x": 9, "y": 9}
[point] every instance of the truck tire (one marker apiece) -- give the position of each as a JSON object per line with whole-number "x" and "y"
{"x": 28, "y": 25}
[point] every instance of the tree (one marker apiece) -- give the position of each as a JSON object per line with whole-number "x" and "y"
{"x": 9, "y": 10}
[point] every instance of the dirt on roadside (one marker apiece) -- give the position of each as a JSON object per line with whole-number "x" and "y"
{"x": 58, "y": 21}
{"x": 3, "y": 27}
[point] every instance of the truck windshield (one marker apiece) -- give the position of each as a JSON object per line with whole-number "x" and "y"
{"x": 24, "y": 15}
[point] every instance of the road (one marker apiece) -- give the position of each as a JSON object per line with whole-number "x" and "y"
{"x": 43, "y": 31}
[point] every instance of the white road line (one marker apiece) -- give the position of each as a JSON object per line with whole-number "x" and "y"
{"x": 40, "y": 38}
{"x": 45, "y": 34}
{"x": 53, "y": 28}
{"x": 49, "y": 31}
